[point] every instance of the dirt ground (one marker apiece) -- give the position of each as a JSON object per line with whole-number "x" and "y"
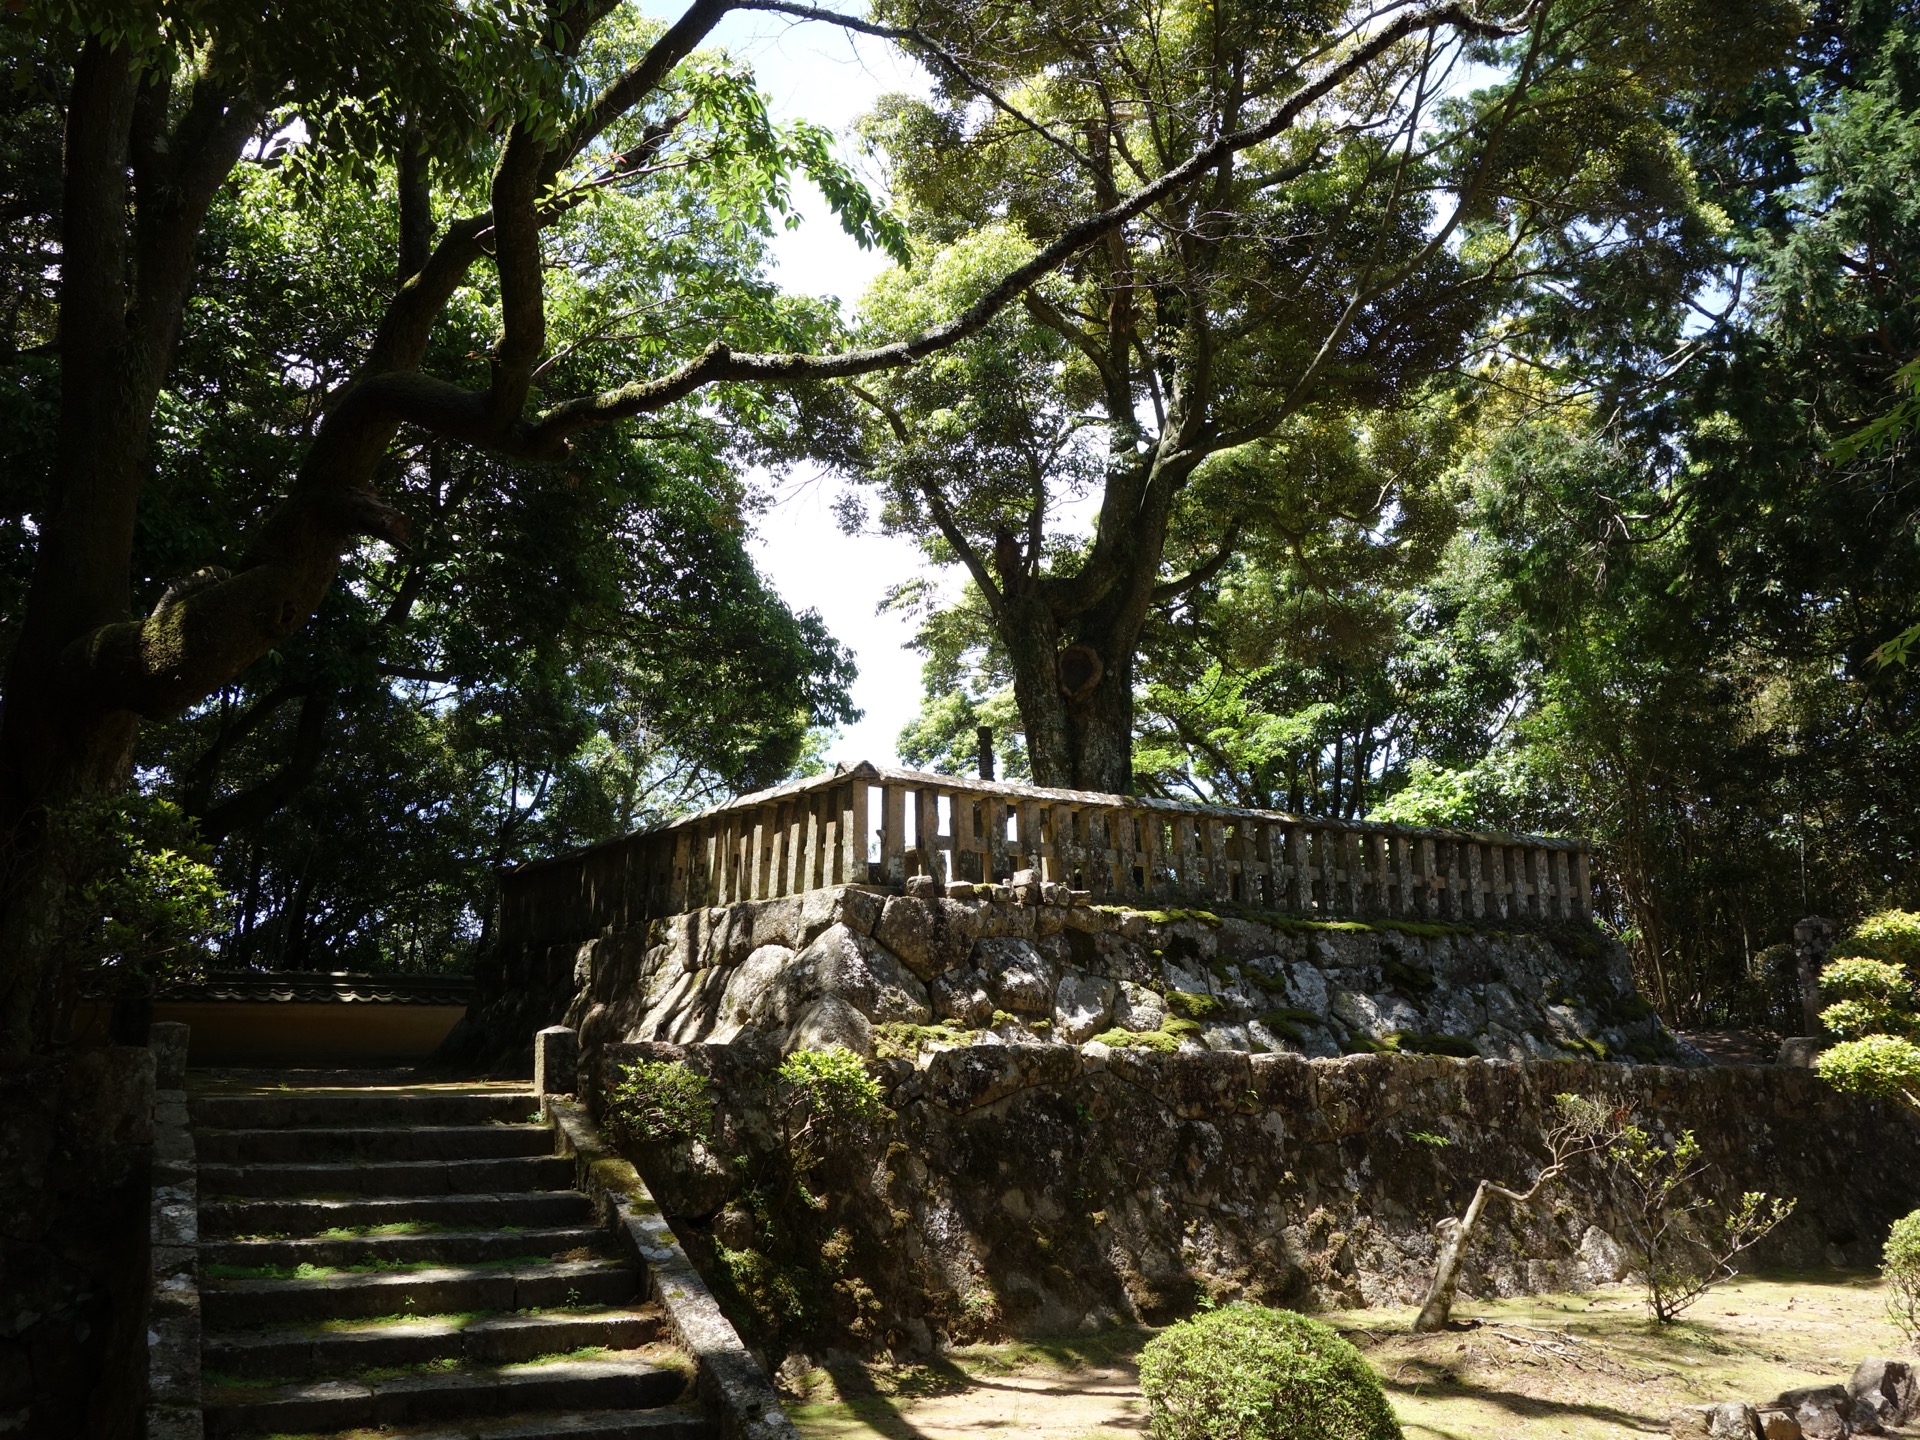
{"x": 1549, "y": 1367}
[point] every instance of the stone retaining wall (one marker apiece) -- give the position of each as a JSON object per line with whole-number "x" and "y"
{"x": 1030, "y": 1189}
{"x": 896, "y": 974}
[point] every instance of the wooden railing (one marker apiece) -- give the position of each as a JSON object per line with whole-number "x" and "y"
{"x": 878, "y": 826}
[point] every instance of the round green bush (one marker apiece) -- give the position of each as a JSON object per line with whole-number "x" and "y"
{"x": 1900, "y": 1267}
{"x": 1245, "y": 1373}
{"x": 1891, "y": 935}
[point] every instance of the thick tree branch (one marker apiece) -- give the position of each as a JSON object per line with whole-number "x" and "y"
{"x": 416, "y": 208}
{"x": 257, "y": 802}
{"x": 1201, "y": 574}
{"x": 196, "y": 790}
{"x": 516, "y": 258}
{"x": 645, "y": 75}
{"x": 720, "y": 364}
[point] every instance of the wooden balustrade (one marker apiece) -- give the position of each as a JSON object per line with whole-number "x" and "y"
{"x": 879, "y": 826}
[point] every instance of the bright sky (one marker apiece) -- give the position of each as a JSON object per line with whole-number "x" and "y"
{"x": 826, "y": 76}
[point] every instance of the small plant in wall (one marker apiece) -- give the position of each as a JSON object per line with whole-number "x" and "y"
{"x": 823, "y": 1100}
{"x": 655, "y": 1101}
{"x": 1685, "y": 1242}
{"x": 1579, "y": 1127}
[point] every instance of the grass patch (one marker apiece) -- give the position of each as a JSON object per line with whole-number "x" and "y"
{"x": 391, "y": 1228}
{"x": 902, "y": 1040}
{"x": 308, "y": 1271}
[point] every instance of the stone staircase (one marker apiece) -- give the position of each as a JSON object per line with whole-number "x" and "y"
{"x": 414, "y": 1261}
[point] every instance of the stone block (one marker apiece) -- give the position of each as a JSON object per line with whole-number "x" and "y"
{"x": 931, "y": 936}
{"x": 1887, "y": 1389}
{"x": 863, "y": 972}
{"x": 168, "y": 1041}
{"x": 1729, "y": 1420}
{"x": 175, "y": 1422}
{"x": 1799, "y": 1051}
{"x": 1081, "y": 1006}
{"x": 1822, "y": 1411}
{"x": 922, "y": 887}
{"x": 1778, "y": 1425}
{"x": 556, "y": 1060}
{"x": 1018, "y": 977}
{"x": 831, "y": 1023}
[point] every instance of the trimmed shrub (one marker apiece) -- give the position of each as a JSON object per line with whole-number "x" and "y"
{"x": 1884, "y": 1066}
{"x": 1247, "y": 1373}
{"x": 1900, "y": 1267}
{"x": 1892, "y": 935}
{"x": 1874, "y": 997}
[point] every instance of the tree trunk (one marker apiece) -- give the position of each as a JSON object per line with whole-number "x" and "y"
{"x": 1082, "y": 740}
{"x": 1446, "y": 1275}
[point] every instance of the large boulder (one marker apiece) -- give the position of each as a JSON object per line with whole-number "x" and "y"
{"x": 744, "y": 1002}
{"x": 960, "y": 998}
{"x": 1138, "y": 1008}
{"x": 839, "y": 962}
{"x": 1082, "y": 1004}
{"x": 1729, "y": 1420}
{"x": 829, "y": 1023}
{"x": 1821, "y": 1411}
{"x": 1018, "y": 977}
{"x": 930, "y": 936}
{"x": 1885, "y": 1392}
{"x": 866, "y": 975}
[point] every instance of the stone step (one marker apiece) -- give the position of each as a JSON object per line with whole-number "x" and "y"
{"x": 435, "y": 1290}
{"x": 532, "y": 1209}
{"x": 463, "y": 1247}
{"x": 256, "y": 1112}
{"x": 629, "y": 1382}
{"x": 393, "y": 1177}
{"x": 674, "y": 1422}
{"x": 491, "y": 1340}
{"x": 387, "y": 1142}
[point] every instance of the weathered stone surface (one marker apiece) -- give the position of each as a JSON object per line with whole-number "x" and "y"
{"x": 1138, "y": 1008}
{"x": 167, "y": 1039}
{"x": 1032, "y": 1187}
{"x": 1887, "y": 1390}
{"x": 1017, "y": 975}
{"x": 930, "y": 936}
{"x": 743, "y": 1002}
{"x": 829, "y": 1022}
{"x": 1778, "y": 1425}
{"x": 1602, "y": 1260}
{"x": 1800, "y": 1050}
{"x": 1821, "y": 1411}
{"x": 1082, "y": 1004}
{"x": 1731, "y": 1420}
{"x": 960, "y": 998}
{"x": 722, "y": 973}
{"x": 863, "y": 973}
{"x": 556, "y": 1056}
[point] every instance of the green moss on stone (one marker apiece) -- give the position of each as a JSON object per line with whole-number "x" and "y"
{"x": 1190, "y": 1005}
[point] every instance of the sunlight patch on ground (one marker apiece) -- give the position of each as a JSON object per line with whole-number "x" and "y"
{"x": 1545, "y": 1367}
